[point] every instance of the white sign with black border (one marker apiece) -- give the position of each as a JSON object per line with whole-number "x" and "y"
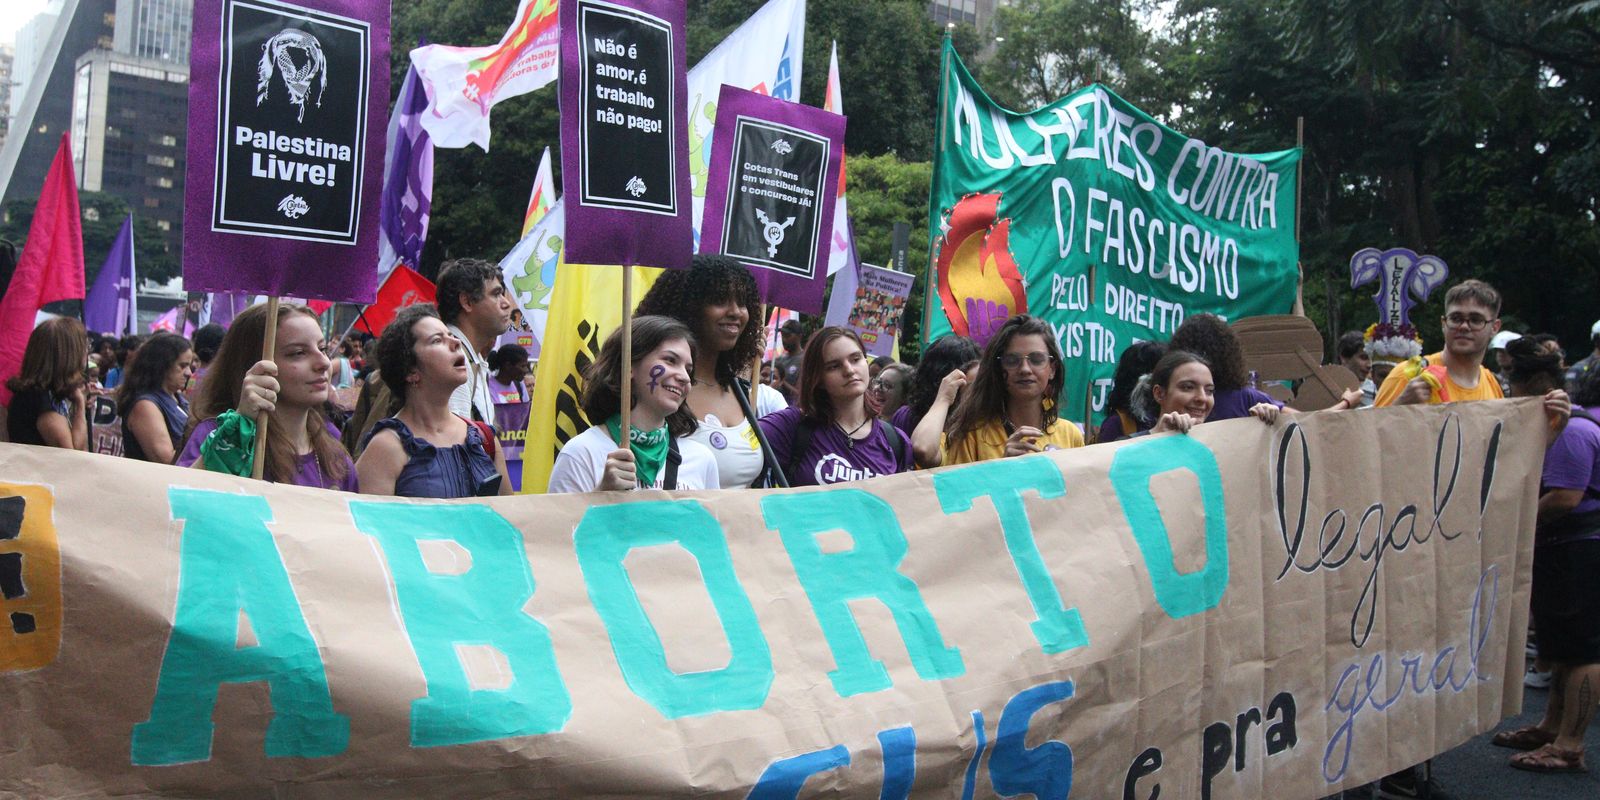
{"x": 773, "y": 212}
{"x": 627, "y": 110}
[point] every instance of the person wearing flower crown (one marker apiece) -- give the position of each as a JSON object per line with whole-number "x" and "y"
{"x": 1456, "y": 374}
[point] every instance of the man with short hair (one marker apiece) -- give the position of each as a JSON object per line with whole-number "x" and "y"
{"x": 787, "y": 366}
{"x": 474, "y": 305}
{"x": 1592, "y": 361}
{"x": 1471, "y": 319}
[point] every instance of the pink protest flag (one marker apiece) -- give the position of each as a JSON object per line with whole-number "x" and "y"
{"x": 169, "y": 321}
{"x": 51, "y": 267}
{"x": 542, "y": 197}
{"x": 840, "y": 244}
{"x": 464, "y": 83}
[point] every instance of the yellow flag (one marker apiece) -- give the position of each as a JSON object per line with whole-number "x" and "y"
{"x": 585, "y": 307}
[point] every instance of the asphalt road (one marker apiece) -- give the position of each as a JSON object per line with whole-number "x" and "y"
{"x": 1478, "y": 770}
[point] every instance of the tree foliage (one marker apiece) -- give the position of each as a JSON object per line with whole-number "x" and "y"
{"x": 102, "y": 219}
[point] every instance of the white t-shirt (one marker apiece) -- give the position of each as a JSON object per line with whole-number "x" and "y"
{"x": 475, "y": 392}
{"x": 582, "y": 463}
{"x": 735, "y": 448}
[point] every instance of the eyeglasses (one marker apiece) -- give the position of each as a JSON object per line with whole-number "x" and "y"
{"x": 1014, "y": 360}
{"x": 1472, "y": 322}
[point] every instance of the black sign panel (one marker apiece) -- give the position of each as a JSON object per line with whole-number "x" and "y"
{"x": 774, "y": 197}
{"x": 627, "y": 109}
{"x": 292, "y": 123}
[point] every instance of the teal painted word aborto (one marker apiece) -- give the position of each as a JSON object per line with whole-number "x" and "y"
{"x": 1178, "y": 594}
{"x": 482, "y": 606}
{"x": 228, "y": 565}
{"x": 603, "y": 540}
{"x": 870, "y": 569}
{"x": 1057, "y": 628}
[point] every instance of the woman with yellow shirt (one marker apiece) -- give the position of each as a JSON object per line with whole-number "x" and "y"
{"x": 1010, "y": 409}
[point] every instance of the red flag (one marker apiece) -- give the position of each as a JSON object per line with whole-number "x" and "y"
{"x": 51, "y": 266}
{"x": 402, "y": 288}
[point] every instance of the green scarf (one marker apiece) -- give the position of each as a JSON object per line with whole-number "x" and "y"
{"x": 649, "y": 448}
{"x": 231, "y": 446}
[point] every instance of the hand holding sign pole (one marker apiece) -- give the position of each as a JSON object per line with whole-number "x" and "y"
{"x": 625, "y": 144}
{"x": 282, "y": 99}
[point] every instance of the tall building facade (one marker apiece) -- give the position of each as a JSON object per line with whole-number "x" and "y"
{"x": 977, "y": 13}
{"x": 113, "y": 73}
{"x": 7, "y": 57}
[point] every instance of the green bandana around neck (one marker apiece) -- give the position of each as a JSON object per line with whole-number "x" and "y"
{"x": 649, "y": 449}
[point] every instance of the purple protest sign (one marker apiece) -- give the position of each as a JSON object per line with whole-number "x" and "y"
{"x": 285, "y": 154}
{"x": 770, "y": 194}
{"x": 625, "y": 133}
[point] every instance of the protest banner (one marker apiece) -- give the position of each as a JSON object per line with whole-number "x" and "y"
{"x": 404, "y": 287}
{"x": 407, "y": 202}
{"x": 286, "y": 128}
{"x": 50, "y": 267}
{"x": 1233, "y": 613}
{"x": 1090, "y": 214}
{"x": 624, "y": 133}
{"x": 105, "y": 426}
{"x": 770, "y": 199}
{"x": 880, "y": 301}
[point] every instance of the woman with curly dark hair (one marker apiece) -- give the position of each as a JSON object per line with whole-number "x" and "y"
{"x": 153, "y": 398}
{"x": 1010, "y": 409}
{"x": 1209, "y": 337}
{"x": 716, "y": 298}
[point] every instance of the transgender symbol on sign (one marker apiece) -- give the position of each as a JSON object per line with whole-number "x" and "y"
{"x": 280, "y": 52}
{"x": 774, "y": 232}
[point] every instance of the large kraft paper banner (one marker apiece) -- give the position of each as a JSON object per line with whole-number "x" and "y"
{"x": 1249, "y": 611}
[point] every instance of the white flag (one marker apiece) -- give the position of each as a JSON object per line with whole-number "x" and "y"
{"x": 463, "y": 83}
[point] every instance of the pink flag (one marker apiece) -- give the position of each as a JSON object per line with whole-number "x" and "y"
{"x": 838, "y": 243}
{"x": 543, "y": 196}
{"x": 51, "y": 267}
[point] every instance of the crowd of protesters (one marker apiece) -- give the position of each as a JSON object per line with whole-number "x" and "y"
{"x": 823, "y": 412}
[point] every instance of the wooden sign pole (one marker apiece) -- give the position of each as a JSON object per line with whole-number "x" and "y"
{"x": 269, "y": 347}
{"x": 626, "y": 432}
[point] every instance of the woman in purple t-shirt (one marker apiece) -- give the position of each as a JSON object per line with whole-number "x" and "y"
{"x": 302, "y": 446}
{"x": 1566, "y": 559}
{"x": 832, "y": 437}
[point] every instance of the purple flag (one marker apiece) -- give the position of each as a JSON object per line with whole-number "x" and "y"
{"x": 625, "y": 134}
{"x": 109, "y": 307}
{"x": 222, "y": 307}
{"x": 770, "y": 194}
{"x": 286, "y": 109}
{"x": 407, "y": 181}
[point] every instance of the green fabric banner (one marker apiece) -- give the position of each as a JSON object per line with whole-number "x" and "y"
{"x": 1109, "y": 225}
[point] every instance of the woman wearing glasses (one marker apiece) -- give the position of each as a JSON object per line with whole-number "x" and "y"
{"x": 1010, "y": 409}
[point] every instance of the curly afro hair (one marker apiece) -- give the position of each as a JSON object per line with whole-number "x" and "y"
{"x": 684, "y": 294}
{"x": 1209, "y": 337}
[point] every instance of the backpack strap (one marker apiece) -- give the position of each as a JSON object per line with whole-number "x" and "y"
{"x": 774, "y": 475}
{"x": 489, "y": 440}
{"x": 892, "y": 433}
{"x": 802, "y": 443}
{"x": 669, "y": 478}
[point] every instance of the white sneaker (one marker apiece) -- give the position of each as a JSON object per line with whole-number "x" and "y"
{"x": 1536, "y": 680}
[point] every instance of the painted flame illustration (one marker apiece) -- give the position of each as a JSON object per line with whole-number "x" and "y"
{"x": 975, "y": 264}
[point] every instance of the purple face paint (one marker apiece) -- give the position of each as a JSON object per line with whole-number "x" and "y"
{"x": 655, "y": 376}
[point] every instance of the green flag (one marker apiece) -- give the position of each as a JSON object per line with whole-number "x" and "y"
{"x": 1090, "y": 214}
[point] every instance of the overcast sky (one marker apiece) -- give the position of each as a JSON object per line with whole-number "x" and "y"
{"x": 13, "y": 13}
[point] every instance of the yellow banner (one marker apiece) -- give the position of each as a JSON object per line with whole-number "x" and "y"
{"x": 1249, "y": 611}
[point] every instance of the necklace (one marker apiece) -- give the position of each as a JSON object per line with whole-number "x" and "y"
{"x": 850, "y": 435}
